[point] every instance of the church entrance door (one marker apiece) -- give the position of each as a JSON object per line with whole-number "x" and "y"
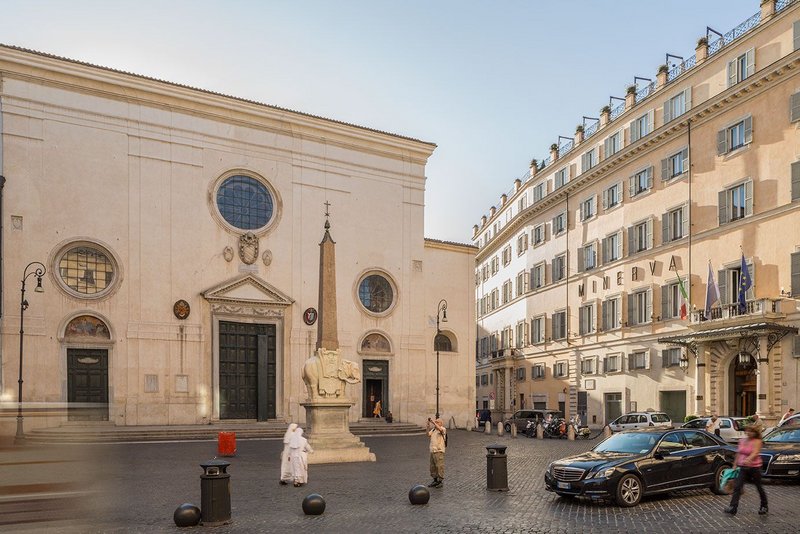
{"x": 87, "y": 384}
{"x": 376, "y": 387}
{"x": 247, "y": 373}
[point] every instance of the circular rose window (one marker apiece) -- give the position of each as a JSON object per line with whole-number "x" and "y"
{"x": 245, "y": 203}
{"x": 375, "y": 293}
{"x": 86, "y": 270}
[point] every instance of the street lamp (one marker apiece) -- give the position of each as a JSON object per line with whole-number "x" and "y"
{"x": 441, "y": 310}
{"x": 37, "y": 271}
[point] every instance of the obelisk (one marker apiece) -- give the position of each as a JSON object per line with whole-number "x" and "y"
{"x": 326, "y": 375}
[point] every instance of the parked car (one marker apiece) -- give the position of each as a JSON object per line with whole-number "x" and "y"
{"x": 634, "y": 420}
{"x": 731, "y": 429}
{"x": 482, "y": 417}
{"x": 634, "y": 463}
{"x": 780, "y": 453}
{"x": 521, "y": 418}
{"x": 791, "y": 421}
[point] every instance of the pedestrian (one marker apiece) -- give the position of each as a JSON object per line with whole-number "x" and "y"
{"x": 748, "y": 460}
{"x": 298, "y": 452}
{"x": 286, "y": 463}
{"x": 786, "y": 416}
{"x": 757, "y": 423}
{"x": 437, "y": 433}
{"x": 712, "y": 426}
{"x": 376, "y": 412}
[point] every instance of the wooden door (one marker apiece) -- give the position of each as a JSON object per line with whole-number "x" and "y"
{"x": 247, "y": 371}
{"x": 87, "y": 384}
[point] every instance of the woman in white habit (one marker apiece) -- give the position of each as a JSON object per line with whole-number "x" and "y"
{"x": 298, "y": 452}
{"x": 286, "y": 463}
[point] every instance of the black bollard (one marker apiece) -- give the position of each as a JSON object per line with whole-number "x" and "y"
{"x": 313, "y": 504}
{"x": 186, "y": 515}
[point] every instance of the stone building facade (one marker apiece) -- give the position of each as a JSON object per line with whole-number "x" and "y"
{"x": 180, "y": 231}
{"x": 580, "y": 268}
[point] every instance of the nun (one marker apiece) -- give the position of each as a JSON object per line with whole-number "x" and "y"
{"x": 298, "y": 453}
{"x": 286, "y": 463}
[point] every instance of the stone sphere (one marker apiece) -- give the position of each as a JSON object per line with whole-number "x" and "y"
{"x": 419, "y": 494}
{"x": 186, "y": 515}
{"x": 314, "y": 504}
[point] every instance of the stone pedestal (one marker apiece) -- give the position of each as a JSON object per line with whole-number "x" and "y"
{"x": 329, "y": 434}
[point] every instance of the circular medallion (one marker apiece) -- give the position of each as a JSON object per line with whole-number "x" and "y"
{"x": 310, "y": 316}
{"x": 181, "y": 309}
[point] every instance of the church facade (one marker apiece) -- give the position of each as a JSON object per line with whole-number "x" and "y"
{"x": 179, "y": 230}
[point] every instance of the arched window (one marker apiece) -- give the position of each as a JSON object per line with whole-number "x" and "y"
{"x": 442, "y": 343}
{"x": 86, "y": 326}
{"x": 375, "y": 342}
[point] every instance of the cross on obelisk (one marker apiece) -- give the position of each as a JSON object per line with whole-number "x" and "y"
{"x": 327, "y": 337}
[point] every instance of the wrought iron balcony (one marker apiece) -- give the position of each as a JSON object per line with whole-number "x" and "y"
{"x": 617, "y": 111}
{"x": 767, "y": 308}
{"x": 645, "y": 91}
{"x": 734, "y": 34}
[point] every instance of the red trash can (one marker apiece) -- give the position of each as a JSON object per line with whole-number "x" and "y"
{"x": 226, "y": 444}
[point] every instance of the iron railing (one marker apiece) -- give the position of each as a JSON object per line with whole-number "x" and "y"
{"x": 617, "y": 111}
{"x": 645, "y": 91}
{"x": 681, "y": 67}
{"x": 729, "y": 311}
{"x": 734, "y": 34}
{"x": 781, "y": 4}
{"x": 566, "y": 147}
{"x": 591, "y": 130}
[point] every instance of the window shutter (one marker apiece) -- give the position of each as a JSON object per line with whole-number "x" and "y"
{"x": 582, "y": 211}
{"x": 605, "y": 197}
{"x": 604, "y": 308}
{"x": 581, "y": 264}
{"x": 585, "y": 162}
{"x": 667, "y": 109}
{"x": 665, "y": 171}
{"x": 794, "y": 107}
{"x": 650, "y": 177}
{"x": 731, "y": 73}
{"x": 796, "y": 180}
{"x": 748, "y": 198}
{"x": 723, "y": 207}
{"x": 634, "y": 130}
{"x": 750, "y": 60}
{"x": 687, "y": 99}
{"x": 631, "y": 301}
{"x": 555, "y": 224}
{"x": 649, "y": 311}
{"x": 748, "y": 129}
{"x": 722, "y": 142}
{"x": 796, "y": 30}
{"x": 631, "y": 239}
{"x": 795, "y": 263}
{"x": 632, "y": 186}
{"x": 664, "y": 358}
{"x": 665, "y": 304}
{"x": 618, "y": 192}
{"x": 605, "y": 364}
{"x": 607, "y": 148}
{"x": 722, "y": 282}
{"x": 620, "y": 239}
{"x": 685, "y": 220}
{"x": 651, "y": 122}
{"x": 685, "y": 158}
{"x": 649, "y": 228}
{"x": 604, "y": 251}
{"x": 665, "y": 233}
{"x": 750, "y": 293}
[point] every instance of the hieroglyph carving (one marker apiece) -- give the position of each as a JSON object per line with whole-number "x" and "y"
{"x": 248, "y": 248}
{"x": 326, "y": 374}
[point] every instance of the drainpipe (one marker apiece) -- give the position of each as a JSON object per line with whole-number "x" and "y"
{"x": 2, "y": 231}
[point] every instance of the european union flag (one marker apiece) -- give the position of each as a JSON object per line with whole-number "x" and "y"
{"x": 745, "y": 283}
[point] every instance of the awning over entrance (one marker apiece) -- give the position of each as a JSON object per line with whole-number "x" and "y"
{"x": 730, "y": 332}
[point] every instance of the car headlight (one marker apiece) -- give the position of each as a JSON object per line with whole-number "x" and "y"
{"x": 788, "y": 458}
{"x": 550, "y": 469}
{"x": 602, "y": 473}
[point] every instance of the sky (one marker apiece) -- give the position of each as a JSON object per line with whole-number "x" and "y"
{"x": 492, "y": 83}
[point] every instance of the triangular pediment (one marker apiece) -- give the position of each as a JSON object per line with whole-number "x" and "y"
{"x": 247, "y": 289}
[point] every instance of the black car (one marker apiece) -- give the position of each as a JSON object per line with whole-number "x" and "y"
{"x": 780, "y": 453}
{"x": 634, "y": 463}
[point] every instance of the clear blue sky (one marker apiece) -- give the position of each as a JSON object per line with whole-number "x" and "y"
{"x": 493, "y": 83}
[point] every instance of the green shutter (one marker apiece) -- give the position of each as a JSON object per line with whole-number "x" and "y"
{"x": 723, "y": 207}
{"x": 722, "y": 142}
{"x": 748, "y": 129}
{"x": 795, "y": 266}
{"x": 796, "y": 180}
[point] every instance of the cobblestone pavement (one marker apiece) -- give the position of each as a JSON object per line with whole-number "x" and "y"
{"x": 138, "y": 486}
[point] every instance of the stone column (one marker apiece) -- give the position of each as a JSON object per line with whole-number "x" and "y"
{"x": 701, "y": 51}
{"x": 661, "y": 77}
{"x": 767, "y": 10}
{"x": 630, "y": 99}
{"x": 762, "y": 384}
{"x": 700, "y": 382}
{"x": 605, "y": 116}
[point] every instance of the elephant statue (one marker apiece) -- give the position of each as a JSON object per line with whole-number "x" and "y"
{"x": 326, "y": 374}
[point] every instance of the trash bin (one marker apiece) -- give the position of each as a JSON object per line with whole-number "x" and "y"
{"x": 226, "y": 444}
{"x": 496, "y": 468}
{"x": 215, "y": 493}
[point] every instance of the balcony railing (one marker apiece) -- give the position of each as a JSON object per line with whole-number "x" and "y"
{"x": 754, "y": 308}
{"x": 681, "y": 67}
{"x": 617, "y": 111}
{"x": 591, "y": 130}
{"x": 734, "y": 34}
{"x": 781, "y": 4}
{"x": 645, "y": 91}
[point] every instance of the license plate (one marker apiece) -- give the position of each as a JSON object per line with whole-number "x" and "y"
{"x": 563, "y": 485}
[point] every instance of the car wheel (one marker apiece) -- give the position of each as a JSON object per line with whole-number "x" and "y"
{"x": 629, "y": 491}
{"x": 717, "y": 477}
{"x": 565, "y": 495}
{"x": 507, "y": 426}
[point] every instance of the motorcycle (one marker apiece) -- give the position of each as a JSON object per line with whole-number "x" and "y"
{"x": 530, "y": 429}
{"x": 557, "y": 428}
{"x": 581, "y": 432}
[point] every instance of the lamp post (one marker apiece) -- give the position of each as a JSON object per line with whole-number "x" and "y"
{"x": 37, "y": 271}
{"x": 441, "y": 310}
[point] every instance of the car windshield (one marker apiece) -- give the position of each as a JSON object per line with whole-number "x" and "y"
{"x": 633, "y": 443}
{"x": 660, "y": 418}
{"x": 784, "y": 436}
{"x": 696, "y": 423}
{"x": 739, "y": 424}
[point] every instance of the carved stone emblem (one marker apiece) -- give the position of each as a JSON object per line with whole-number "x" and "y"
{"x": 267, "y": 257}
{"x": 227, "y": 253}
{"x": 248, "y": 248}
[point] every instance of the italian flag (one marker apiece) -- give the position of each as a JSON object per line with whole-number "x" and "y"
{"x": 684, "y": 299}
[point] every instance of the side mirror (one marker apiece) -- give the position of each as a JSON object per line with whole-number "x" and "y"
{"x": 661, "y": 453}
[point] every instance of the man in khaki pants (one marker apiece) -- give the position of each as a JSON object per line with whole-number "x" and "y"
{"x": 437, "y": 433}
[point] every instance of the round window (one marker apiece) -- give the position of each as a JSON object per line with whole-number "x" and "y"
{"x": 375, "y": 293}
{"x": 244, "y": 202}
{"x": 87, "y": 270}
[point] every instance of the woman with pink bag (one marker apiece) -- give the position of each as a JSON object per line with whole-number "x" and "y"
{"x": 748, "y": 460}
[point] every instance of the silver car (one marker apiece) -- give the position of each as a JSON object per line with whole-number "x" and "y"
{"x": 634, "y": 420}
{"x": 731, "y": 429}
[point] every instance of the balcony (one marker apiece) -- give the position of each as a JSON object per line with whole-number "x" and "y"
{"x": 762, "y": 308}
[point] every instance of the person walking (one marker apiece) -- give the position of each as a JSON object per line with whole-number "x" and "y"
{"x": 437, "y": 433}
{"x": 748, "y": 460}
{"x": 376, "y": 412}
{"x": 786, "y": 416}
{"x": 712, "y": 426}
{"x": 757, "y": 423}
{"x": 286, "y": 463}
{"x": 298, "y": 452}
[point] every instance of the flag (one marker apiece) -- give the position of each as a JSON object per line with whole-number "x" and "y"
{"x": 712, "y": 292}
{"x": 745, "y": 282}
{"x": 684, "y": 298}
